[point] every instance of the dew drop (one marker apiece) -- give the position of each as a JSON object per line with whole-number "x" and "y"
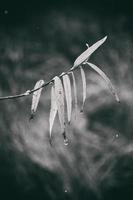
{"x": 66, "y": 142}
{"x": 65, "y": 191}
{"x": 117, "y": 135}
{"x": 65, "y": 139}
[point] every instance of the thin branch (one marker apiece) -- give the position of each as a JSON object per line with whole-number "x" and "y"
{"x": 81, "y": 60}
{"x": 28, "y": 92}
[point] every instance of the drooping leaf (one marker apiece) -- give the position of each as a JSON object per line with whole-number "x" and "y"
{"x": 53, "y": 111}
{"x": 84, "y": 86}
{"x": 87, "y": 53}
{"x": 59, "y": 95}
{"x": 36, "y": 97}
{"x": 107, "y": 80}
{"x": 75, "y": 95}
{"x": 68, "y": 94}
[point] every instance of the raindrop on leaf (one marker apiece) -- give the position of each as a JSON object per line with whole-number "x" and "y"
{"x": 66, "y": 141}
{"x": 117, "y": 135}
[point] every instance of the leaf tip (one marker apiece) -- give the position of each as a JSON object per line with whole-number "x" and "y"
{"x": 104, "y": 39}
{"x": 117, "y": 99}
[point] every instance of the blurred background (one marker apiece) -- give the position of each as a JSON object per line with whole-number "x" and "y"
{"x": 41, "y": 39}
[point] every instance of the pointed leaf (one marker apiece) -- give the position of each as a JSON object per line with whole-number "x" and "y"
{"x": 107, "y": 80}
{"x": 36, "y": 97}
{"x": 68, "y": 94}
{"x": 53, "y": 111}
{"x": 59, "y": 94}
{"x": 84, "y": 86}
{"x": 86, "y": 54}
{"x": 75, "y": 95}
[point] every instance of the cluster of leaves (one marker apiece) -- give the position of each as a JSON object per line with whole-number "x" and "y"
{"x": 61, "y": 89}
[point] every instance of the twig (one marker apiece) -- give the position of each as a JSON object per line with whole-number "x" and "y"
{"x": 28, "y": 92}
{"x": 81, "y": 60}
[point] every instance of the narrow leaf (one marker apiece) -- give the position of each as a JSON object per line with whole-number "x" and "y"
{"x": 59, "y": 95}
{"x": 75, "y": 95}
{"x": 68, "y": 94}
{"x": 87, "y": 53}
{"x": 36, "y": 97}
{"x": 84, "y": 86}
{"x": 53, "y": 111}
{"x": 107, "y": 80}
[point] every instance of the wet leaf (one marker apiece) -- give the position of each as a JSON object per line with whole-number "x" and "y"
{"x": 53, "y": 111}
{"x": 59, "y": 95}
{"x": 107, "y": 80}
{"x": 36, "y": 97}
{"x": 87, "y": 53}
{"x": 75, "y": 95}
{"x": 84, "y": 86}
{"x": 68, "y": 94}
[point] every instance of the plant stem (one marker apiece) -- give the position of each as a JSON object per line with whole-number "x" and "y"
{"x": 28, "y": 92}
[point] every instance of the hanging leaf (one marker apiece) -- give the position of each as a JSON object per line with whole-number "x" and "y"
{"x": 75, "y": 95}
{"x": 67, "y": 88}
{"x": 107, "y": 80}
{"x": 53, "y": 111}
{"x": 59, "y": 95}
{"x": 87, "y": 53}
{"x": 36, "y": 97}
{"x": 84, "y": 86}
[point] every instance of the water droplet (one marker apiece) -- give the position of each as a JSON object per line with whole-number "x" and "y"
{"x": 117, "y": 135}
{"x": 65, "y": 191}
{"x": 65, "y": 139}
{"x": 66, "y": 142}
